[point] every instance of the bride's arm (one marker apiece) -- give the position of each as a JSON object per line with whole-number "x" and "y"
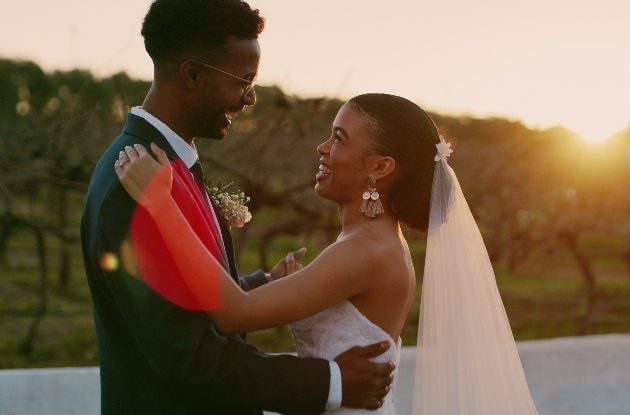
{"x": 337, "y": 274}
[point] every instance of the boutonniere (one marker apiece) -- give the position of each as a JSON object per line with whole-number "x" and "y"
{"x": 232, "y": 206}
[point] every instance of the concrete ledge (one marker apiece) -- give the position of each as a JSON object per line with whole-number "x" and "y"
{"x": 579, "y": 375}
{"x": 69, "y": 391}
{"x": 567, "y": 376}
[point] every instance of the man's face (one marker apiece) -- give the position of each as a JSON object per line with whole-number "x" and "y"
{"x": 221, "y": 96}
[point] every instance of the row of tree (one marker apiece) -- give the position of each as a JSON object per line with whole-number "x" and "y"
{"x": 526, "y": 187}
{"x": 53, "y": 128}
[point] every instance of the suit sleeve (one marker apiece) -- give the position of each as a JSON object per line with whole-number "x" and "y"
{"x": 186, "y": 350}
{"x": 252, "y": 281}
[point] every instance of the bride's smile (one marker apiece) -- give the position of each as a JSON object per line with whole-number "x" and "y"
{"x": 324, "y": 171}
{"x": 346, "y": 159}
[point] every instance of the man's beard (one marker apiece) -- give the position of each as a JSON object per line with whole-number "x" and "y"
{"x": 218, "y": 128}
{"x": 215, "y": 129}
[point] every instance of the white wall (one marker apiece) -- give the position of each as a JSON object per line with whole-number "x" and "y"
{"x": 567, "y": 376}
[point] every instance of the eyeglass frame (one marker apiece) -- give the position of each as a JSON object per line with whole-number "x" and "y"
{"x": 249, "y": 84}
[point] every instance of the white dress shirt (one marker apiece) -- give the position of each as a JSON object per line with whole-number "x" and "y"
{"x": 189, "y": 156}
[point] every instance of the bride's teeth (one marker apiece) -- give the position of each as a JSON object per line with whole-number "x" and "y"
{"x": 325, "y": 169}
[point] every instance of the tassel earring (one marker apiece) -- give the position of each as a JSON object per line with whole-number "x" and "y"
{"x": 371, "y": 205}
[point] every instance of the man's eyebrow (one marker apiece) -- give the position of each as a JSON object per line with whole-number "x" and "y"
{"x": 341, "y": 130}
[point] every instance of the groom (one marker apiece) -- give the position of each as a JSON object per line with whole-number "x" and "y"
{"x": 156, "y": 357}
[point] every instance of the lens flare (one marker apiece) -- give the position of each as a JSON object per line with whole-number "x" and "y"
{"x": 109, "y": 262}
{"x": 128, "y": 258}
{"x": 179, "y": 281}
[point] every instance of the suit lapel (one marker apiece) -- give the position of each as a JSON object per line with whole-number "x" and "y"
{"x": 227, "y": 241}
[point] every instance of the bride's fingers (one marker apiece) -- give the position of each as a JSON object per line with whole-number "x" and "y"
{"x": 122, "y": 157}
{"x": 119, "y": 169}
{"x": 160, "y": 154}
{"x": 131, "y": 153}
{"x": 140, "y": 149}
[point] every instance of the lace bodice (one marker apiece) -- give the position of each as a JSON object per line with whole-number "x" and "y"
{"x": 335, "y": 330}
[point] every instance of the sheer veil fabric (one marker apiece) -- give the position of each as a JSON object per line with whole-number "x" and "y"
{"x": 468, "y": 363}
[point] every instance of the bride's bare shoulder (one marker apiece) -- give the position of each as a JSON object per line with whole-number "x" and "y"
{"x": 371, "y": 248}
{"x": 353, "y": 248}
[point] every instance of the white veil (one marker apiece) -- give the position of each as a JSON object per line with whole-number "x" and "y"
{"x": 467, "y": 362}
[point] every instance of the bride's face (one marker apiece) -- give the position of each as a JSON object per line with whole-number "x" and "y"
{"x": 345, "y": 165}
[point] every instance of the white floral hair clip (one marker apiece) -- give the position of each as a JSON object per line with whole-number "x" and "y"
{"x": 443, "y": 150}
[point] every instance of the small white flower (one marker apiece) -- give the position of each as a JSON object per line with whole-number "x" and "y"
{"x": 231, "y": 206}
{"x": 443, "y": 150}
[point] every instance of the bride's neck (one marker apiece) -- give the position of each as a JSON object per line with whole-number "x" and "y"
{"x": 353, "y": 220}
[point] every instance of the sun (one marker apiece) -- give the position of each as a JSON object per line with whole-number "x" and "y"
{"x": 597, "y": 128}
{"x": 593, "y": 137}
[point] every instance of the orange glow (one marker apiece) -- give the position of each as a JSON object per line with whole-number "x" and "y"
{"x": 109, "y": 262}
{"x": 173, "y": 266}
{"x": 128, "y": 258}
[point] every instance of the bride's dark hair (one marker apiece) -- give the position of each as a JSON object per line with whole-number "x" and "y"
{"x": 402, "y": 130}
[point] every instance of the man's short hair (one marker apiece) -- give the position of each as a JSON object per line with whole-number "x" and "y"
{"x": 175, "y": 30}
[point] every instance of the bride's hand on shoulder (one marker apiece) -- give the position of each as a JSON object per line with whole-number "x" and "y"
{"x": 288, "y": 265}
{"x": 137, "y": 169}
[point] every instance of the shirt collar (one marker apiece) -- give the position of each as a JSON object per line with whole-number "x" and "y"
{"x": 187, "y": 153}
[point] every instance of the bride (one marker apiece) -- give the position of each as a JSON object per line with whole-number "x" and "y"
{"x": 385, "y": 166}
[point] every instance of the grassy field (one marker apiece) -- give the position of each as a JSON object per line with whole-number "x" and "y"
{"x": 544, "y": 298}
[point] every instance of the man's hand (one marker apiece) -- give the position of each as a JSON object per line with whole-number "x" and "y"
{"x": 364, "y": 383}
{"x": 288, "y": 265}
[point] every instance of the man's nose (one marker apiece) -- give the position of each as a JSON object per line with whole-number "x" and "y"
{"x": 250, "y": 97}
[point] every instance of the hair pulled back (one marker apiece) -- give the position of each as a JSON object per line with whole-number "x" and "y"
{"x": 402, "y": 130}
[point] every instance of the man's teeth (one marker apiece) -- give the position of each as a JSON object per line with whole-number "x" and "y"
{"x": 324, "y": 169}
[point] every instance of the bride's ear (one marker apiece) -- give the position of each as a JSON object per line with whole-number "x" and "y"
{"x": 384, "y": 167}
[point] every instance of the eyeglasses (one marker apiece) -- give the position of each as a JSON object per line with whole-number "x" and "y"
{"x": 247, "y": 84}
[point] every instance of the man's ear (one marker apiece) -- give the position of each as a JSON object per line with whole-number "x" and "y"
{"x": 190, "y": 74}
{"x": 383, "y": 167}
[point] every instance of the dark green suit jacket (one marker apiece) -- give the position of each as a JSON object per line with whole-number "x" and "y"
{"x": 159, "y": 358}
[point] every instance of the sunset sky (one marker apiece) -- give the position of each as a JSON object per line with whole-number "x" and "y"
{"x": 545, "y": 62}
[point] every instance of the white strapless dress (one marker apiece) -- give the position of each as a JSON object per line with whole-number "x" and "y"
{"x": 337, "y": 329}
